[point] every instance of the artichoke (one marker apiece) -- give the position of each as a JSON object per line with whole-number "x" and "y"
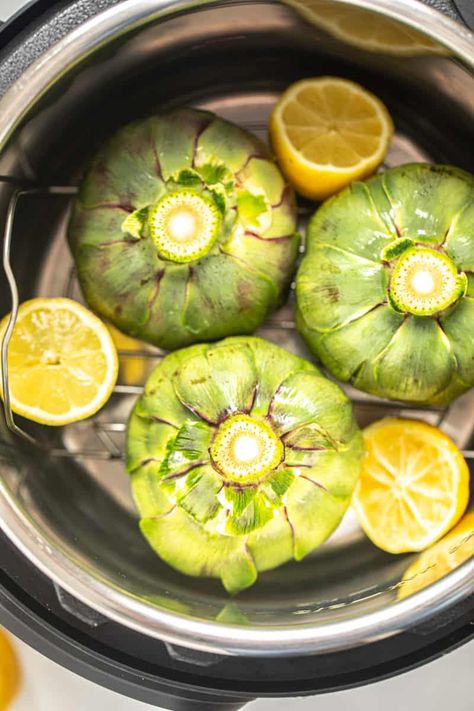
{"x": 184, "y": 230}
{"x": 242, "y": 456}
{"x": 385, "y": 292}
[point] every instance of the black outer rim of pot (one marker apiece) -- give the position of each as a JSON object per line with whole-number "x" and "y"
{"x": 30, "y": 609}
{"x": 25, "y": 17}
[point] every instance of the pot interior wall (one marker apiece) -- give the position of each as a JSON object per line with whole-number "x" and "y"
{"x": 232, "y": 58}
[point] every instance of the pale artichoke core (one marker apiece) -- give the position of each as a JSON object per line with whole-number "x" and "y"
{"x": 184, "y": 225}
{"x": 425, "y": 281}
{"x": 246, "y": 449}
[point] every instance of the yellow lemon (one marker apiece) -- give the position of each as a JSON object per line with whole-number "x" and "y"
{"x": 9, "y": 672}
{"x": 438, "y": 560}
{"x": 414, "y": 485}
{"x": 327, "y": 132}
{"x": 366, "y": 29}
{"x": 62, "y": 362}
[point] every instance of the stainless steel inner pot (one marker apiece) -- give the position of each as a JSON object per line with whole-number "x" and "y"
{"x": 67, "y": 504}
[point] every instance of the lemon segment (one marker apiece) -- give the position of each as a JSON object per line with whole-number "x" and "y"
{"x": 327, "y": 132}
{"x": 10, "y": 675}
{"x": 414, "y": 485}
{"x": 62, "y": 362}
{"x": 440, "y": 559}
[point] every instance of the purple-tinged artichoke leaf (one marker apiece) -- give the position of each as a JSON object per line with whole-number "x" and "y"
{"x": 218, "y": 382}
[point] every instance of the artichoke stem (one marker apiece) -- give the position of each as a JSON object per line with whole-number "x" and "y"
{"x": 184, "y": 225}
{"x": 245, "y": 450}
{"x": 425, "y": 282}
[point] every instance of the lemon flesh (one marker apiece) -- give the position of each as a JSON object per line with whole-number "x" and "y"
{"x": 414, "y": 485}
{"x": 62, "y": 362}
{"x": 327, "y": 132}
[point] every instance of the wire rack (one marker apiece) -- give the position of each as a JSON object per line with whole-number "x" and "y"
{"x": 102, "y": 437}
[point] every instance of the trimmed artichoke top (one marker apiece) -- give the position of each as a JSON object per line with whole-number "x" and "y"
{"x": 385, "y": 292}
{"x": 242, "y": 457}
{"x": 184, "y": 230}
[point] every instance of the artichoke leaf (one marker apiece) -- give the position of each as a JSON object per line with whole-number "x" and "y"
{"x": 255, "y": 515}
{"x": 272, "y": 545}
{"x": 174, "y": 138}
{"x": 417, "y": 364}
{"x": 470, "y": 286}
{"x": 278, "y": 483}
{"x": 190, "y": 548}
{"x": 253, "y": 210}
{"x": 217, "y": 382}
{"x": 270, "y": 257}
{"x": 425, "y": 198}
{"x": 188, "y": 448}
{"x": 146, "y": 440}
{"x": 458, "y": 325}
{"x": 308, "y": 397}
{"x": 309, "y": 437}
{"x": 313, "y": 514}
{"x": 185, "y": 178}
{"x": 336, "y": 287}
{"x": 199, "y": 493}
{"x": 148, "y": 495}
{"x": 283, "y": 217}
{"x": 351, "y": 222}
{"x": 239, "y": 498}
{"x": 165, "y": 324}
{"x": 273, "y": 367}
{"x": 106, "y": 274}
{"x": 135, "y": 224}
{"x": 216, "y": 174}
{"x": 225, "y": 296}
{"x": 98, "y": 227}
{"x": 125, "y": 171}
{"x": 227, "y": 143}
{"x": 263, "y": 175}
{"x": 346, "y": 350}
{"x": 337, "y": 472}
{"x": 159, "y": 401}
{"x": 460, "y": 240}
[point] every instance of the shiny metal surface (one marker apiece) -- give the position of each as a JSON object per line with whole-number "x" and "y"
{"x": 74, "y": 517}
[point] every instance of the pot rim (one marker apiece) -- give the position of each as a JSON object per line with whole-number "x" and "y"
{"x": 71, "y": 574}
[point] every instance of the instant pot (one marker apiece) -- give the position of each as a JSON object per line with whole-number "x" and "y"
{"x": 78, "y": 582}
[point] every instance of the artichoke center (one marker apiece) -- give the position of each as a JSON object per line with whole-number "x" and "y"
{"x": 245, "y": 450}
{"x": 425, "y": 281}
{"x": 184, "y": 225}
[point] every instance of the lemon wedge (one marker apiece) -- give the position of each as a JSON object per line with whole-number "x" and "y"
{"x": 441, "y": 558}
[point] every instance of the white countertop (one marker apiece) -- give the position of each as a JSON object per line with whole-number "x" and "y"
{"x": 444, "y": 684}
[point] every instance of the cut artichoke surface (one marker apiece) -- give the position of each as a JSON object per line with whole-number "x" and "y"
{"x": 242, "y": 456}
{"x": 184, "y": 230}
{"x": 385, "y": 292}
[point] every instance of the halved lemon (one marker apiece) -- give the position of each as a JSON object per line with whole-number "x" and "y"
{"x": 9, "y": 672}
{"x": 327, "y": 132}
{"x": 414, "y": 485}
{"x": 62, "y": 362}
{"x": 366, "y": 29}
{"x": 441, "y": 558}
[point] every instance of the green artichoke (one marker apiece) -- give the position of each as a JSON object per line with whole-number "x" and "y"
{"x": 242, "y": 456}
{"x": 184, "y": 230}
{"x": 385, "y": 292}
